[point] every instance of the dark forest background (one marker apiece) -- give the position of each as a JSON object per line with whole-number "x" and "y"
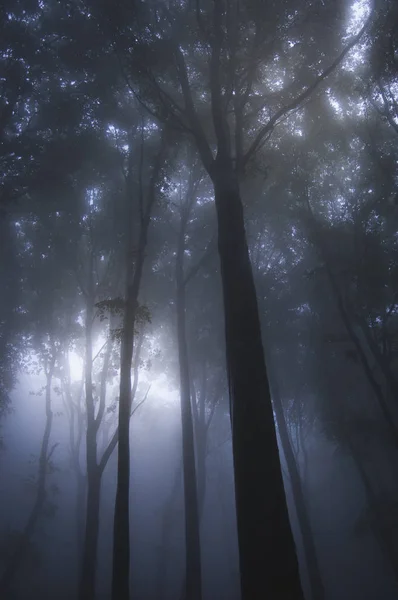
{"x": 199, "y": 299}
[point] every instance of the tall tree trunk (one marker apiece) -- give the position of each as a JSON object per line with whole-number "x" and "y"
{"x": 88, "y": 568}
{"x": 168, "y": 522}
{"x": 311, "y": 558}
{"x": 201, "y": 427}
{"x": 10, "y": 278}
{"x": 21, "y": 549}
{"x": 76, "y": 426}
{"x": 386, "y": 542}
{"x": 80, "y": 504}
{"x": 121, "y": 532}
{"x": 121, "y": 535}
{"x": 95, "y": 470}
{"x": 193, "y": 581}
{"x": 95, "y": 466}
{"x": 346, "y": 319}
{"x": 267, "y": 553}
{"x": 201, "y": 448}
{"x": 379, "y": 357}
{"x": 89, "y": 564}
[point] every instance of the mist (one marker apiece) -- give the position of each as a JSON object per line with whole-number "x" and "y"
{"x": 199, "y": 301}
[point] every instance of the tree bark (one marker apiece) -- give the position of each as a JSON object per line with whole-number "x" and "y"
{"x": 386, "y": 542}
{"x": 75, "y": 418}
{"x": 168, "y": 522}
{"x": 379, "y": 357}
{"x": 193, "y": 580}
{"x": 267, "y": 553}
{"x": 201, "y": 445}
{"x": 89, "y": 565}
{"x": 311, "y": 558}
{"x": 80, "y": 503}
{"x": 346, "y": 319}
{"x": 121, "y": 533}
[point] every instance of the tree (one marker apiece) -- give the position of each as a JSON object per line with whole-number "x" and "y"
{"x": 234, "y": 39}
{"x": 49, "y": 351}
{"x": 193, "y": 575}
{"x": 312, "y": 563}
{"x": 134, "y": 264}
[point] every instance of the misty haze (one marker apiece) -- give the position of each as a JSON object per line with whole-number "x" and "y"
{"x": 199, "y": 300}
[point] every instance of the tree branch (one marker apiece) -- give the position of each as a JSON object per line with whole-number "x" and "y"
{"x": 217, "y": 105}
{"x": 197, "y": 130}
{"x": 108, "y": 451}
{"x": 301, "y": 97}
{"x": 195, "y": 268}
{"x": 140, "y": 403}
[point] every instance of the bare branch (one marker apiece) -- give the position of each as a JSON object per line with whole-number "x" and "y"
{"x": 140, "y": 175}
{"x": 217, "y": 105}
{"x": 301, "y": 97}
{"x": 140, "y": 403}
{"x": 386, "y": 112}
{"x": 197, "y": 130}
{"x": 100, "y": 350}
{"x": 228, "y": 439}
{"x": 49, "y": 455}
{"x": 195, "y": 268}
{"x": 108, "y": 451}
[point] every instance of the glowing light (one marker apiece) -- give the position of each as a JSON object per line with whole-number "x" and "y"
{"x": 360, "y": 11}
{"x": 75, "y": 366}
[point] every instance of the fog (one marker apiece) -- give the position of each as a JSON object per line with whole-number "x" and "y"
{"x": 198, "y": 301}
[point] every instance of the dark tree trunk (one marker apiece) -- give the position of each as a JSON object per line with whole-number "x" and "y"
{"x": 89, "y": 565}
{"x": 76, "y": 426}
{"x": 121, "y": 535}
{"x": 315, "y": 235}
{"x": 267, "y": 553}
{"x": 95, "y": 469}
{"x": 346, "y": 319}
{"x": 311, "y": 558}
{"x": 192, "y": 536}
{"x": 201, "y": 430}
{"x": 168, "y": 523}
{"x": 121, "y": 532}
{"x": 79, "y": 516}
{"x": 381, "y": 360}
{"x": 387, "y": 543}
{"x": 19, "y": 554}
{"x": 201, "y": 445}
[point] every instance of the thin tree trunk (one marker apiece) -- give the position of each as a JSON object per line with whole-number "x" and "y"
{"x": 166, "y": 529}
{"x": 193, "y": 581}
{"x": 385, "y": 542}
{"x": 88, "y": 568}
{"x": 379, "y": 357}
{"x": 79, "y": 517}
{"x": 87, "y": 585}
{"x": 75, "y": 418}
{"x": 201, "y": 429}
{"x": 311, "y": 558}
{"x": 268, "y": 560}
{"x": 345, "y": 317}
{"x": 95, "y": 467}
{"x": 121, "y": 535}
{"x": 19, "y": 554}
{"x": 201, "y": 446}
{"x": 121, "y": 532}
